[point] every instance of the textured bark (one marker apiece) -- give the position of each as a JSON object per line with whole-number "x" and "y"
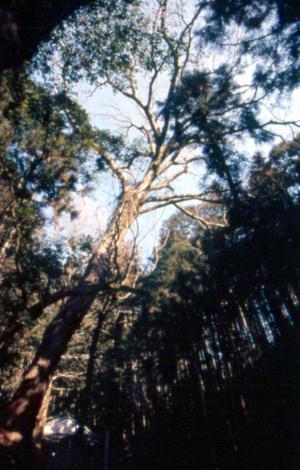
{"x": 42, "y": 417}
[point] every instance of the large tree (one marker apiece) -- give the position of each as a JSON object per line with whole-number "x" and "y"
{"x": 154, "y": 46}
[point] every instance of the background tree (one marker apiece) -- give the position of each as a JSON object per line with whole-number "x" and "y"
{"x": 207, "y": 349}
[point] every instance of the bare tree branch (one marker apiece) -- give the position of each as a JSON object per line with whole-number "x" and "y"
{"x": 117, "y": 170}
{"x": 201, "y": 220}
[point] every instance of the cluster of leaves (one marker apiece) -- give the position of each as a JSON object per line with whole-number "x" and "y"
{"x": 99, "y": 38}
{"x": 44, "y": 141}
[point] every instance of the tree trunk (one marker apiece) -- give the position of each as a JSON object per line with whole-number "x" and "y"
{"x": 21, "y": 414}
{"x": 85, "y": 396}
{"x": 42, "y": 417}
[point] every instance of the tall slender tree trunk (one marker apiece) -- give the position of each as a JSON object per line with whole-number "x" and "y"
{"x": 21, "y": 414}
{"x": 85, "y": 398}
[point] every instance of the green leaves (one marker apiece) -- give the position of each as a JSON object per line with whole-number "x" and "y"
{"x": 45, "y": 141}
{"x": 98, "y": 40}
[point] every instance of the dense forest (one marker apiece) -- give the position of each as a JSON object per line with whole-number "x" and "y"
{"x": 191, "y": 359}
